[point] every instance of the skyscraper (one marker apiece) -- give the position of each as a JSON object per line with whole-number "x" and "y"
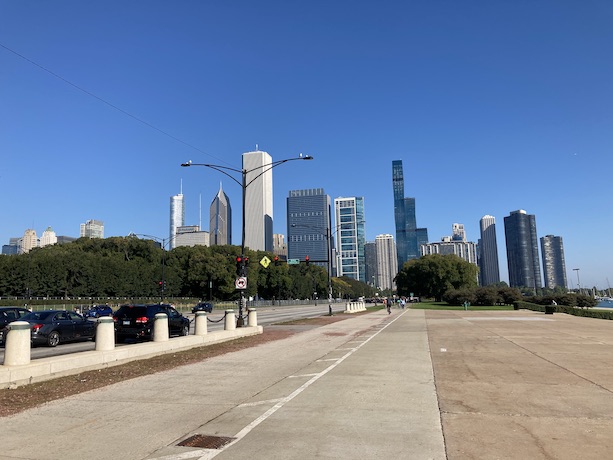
{"x": 177, "y": 217}
{"x": 489, "y": 271}
{"x": 220, "y": 219}
{"x": 92, "y": 229}
{"x": 522, "y": 250}
{"x": 258, "y": 201}
{"x": 554, "y": 265}
{"x": 370, "y": 262}
{"x": 308, "y": 225}
{"x": 387, "y": 261}
{"x": 48, "y": 237}
{"x": 408, "y": 236}
{"x": 350, "y": 237}
{"x": 28, "y": 241}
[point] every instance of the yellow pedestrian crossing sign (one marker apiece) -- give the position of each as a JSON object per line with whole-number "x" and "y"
{"x": 265, "y": 262}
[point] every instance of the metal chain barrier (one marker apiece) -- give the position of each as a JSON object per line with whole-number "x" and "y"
{"x": 217, "y": 321}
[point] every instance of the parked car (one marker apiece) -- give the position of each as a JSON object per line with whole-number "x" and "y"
{"x": 203, "y": 306}
{"x": 52, "y": 327}
{"x": 136, "y": 321}
{"x": 8, "y": 315}
{"x": 97, "y": 311}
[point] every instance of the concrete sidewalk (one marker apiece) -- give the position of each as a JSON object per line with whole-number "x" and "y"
{"x": 346, "y": 390}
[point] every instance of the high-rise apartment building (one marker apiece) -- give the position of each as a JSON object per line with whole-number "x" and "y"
{"x": 258, "y": 202}
{"x": 370, "y": 263}
{"x": 554, "y": 265}
{"x": 350, "y": 237}
{"x": 28, "y": 241}
{"x": 92, "y": 229}
{"x": 48, "y": 237}
{"x": 489, "y": 270}
{"x": 522, "y": 250}
{"x": 408, "y": 236}
{"x": 220, "y": 219}
{"x": 309, "y": 225}
{"x": 458, "y": 233}
{"x": 177, "y": 217}
{"x": 387, "y": 261}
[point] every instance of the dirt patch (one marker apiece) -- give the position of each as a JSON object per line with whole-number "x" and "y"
{"x": 19, "y": 399}
{"x": 335, "y": 334}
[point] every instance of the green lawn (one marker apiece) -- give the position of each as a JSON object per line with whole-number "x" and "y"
{"x": 444, "y": 306}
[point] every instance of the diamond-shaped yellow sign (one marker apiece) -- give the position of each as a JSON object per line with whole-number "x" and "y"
{"x": 265, "y": 262}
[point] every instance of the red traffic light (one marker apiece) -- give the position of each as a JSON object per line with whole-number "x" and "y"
{"x": 307, "y": 260}
{"x": 239, "y": 259}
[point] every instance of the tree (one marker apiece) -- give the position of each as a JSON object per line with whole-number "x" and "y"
{"x": 432, "y": 275}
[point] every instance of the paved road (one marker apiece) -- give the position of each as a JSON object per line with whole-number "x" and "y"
{"x": 411, "y": 385}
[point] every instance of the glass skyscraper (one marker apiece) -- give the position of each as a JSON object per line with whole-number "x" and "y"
{"x": 554, "y": 265}
{"x": 309, "y": 225}
{"x": 220, "y": 219}
{"x": 408, "y": 236}
{"x": 177, "y": 217}
{"x": 522, "y": 250}
{"x": 489, "y": 270}
{"x": 351, "y": 237}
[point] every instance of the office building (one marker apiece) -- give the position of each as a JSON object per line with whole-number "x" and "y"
{"x": 177, "y": 217}
{"x": 28, "y": 241}
{"x": 191, "y": 235}
{"x": 48, "y": 237}
{"x": 465, "y": 250}
{"x": 370, "y": 263}
{"x": 522, "y": 250}
{"x": 309, "y": 225}
{"x": 92, "y": 229}
{"x": 258, "y": 201}
{"x": 350, "y": 237}
{"x": 458, "y": 233}
{"x": 554, "y": 265}
{"x": 279, "y": 248}
{"x": 489, "y": 270}
{"x": 12, "y": 248}
{"x": 387, "y": 261}
{"x": 220, "y": 219}
{"x": 408, "y": 236}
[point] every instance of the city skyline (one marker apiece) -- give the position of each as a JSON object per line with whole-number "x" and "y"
{"x": 492, "y": 108}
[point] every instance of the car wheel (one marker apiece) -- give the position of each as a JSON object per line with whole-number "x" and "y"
{"x": 185, "y": 330}
{"x": 53, "y": 339}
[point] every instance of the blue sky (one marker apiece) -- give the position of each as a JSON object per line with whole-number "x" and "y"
{"x": 492, "y": 106}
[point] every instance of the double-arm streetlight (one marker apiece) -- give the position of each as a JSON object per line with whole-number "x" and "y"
{"x": 244, "y": 184}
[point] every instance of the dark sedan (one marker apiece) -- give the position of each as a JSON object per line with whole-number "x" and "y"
{"x": 203, "y": 306}
{"x": 8, "y": 315}
{"x": 98, "y": 310}
{"x": 50, "y": 327}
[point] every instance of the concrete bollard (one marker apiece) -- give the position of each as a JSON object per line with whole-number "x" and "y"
{"x": 201, "y": 326}
{"x": 105, "y": 334}
{"x": 17, "y": 344}
{"x": 253, "y": 317}
{"x": 160, "y": 328}
{"x": 230, "y": 323}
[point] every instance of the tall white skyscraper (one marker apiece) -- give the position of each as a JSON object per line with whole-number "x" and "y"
{"x": 28, "y": 241}
{"x": 177, "y": 217}
{"x": 92, "y": 229}
{"x": 351, "y": 238}
{"x": 48, "y": 237}
{"x": 258, "y": 201}
{"x": 387, "y": 262}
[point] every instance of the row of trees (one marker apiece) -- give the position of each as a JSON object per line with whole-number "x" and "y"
{"x": 132, "y": 267}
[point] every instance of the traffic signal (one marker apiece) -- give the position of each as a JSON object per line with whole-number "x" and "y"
{"x": 245, "y": 262}
{"x": 276, "y": 259}
{"x": 307, "y": 260}
{"x": 239, "y": 265}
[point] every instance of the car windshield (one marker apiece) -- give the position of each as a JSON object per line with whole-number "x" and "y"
{"x": 37, "y": 316}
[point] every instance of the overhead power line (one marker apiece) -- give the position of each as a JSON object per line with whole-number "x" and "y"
{"x": 119, "y": 109}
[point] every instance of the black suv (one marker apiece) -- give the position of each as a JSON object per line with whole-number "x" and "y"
{"x": 8, "y": 315}
{"x": 203, "y": 306}
{"x": 136, "y": 321}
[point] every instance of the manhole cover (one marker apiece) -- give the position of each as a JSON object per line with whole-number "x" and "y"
{"x": 206, "y": 442}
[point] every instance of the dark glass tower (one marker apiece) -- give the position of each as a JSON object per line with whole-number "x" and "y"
{"x": 220, "y": 219}
{"x": 522, "y": 250}
{"x": 554, "y": 265}
{"x": 408, "y": 236}
{"x": 308, "y": 225}
{"x": 489, "y": 272}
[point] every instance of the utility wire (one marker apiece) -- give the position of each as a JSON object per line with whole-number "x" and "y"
{"x": 119, "y": 109}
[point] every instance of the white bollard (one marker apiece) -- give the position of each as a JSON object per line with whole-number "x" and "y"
{"x": 160, "y": 328}
{"x": 201, "y": 326}
{"x": 105, "y": 334}
{"x": 253, "y": 317}
{"x": 17, "y": 344}
{"x": 230, "y": 323}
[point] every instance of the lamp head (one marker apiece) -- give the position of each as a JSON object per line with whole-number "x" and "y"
{"x": 189, "y": 163}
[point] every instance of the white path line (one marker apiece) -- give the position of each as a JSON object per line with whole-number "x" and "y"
{"x": 258, "y": 403}
{"x": 302, "y": 375}
{"x": 245, "y": 431}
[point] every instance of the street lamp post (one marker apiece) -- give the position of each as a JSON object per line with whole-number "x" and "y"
{"x": 578, "y": 282}
{"x": 244, "y": 184}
